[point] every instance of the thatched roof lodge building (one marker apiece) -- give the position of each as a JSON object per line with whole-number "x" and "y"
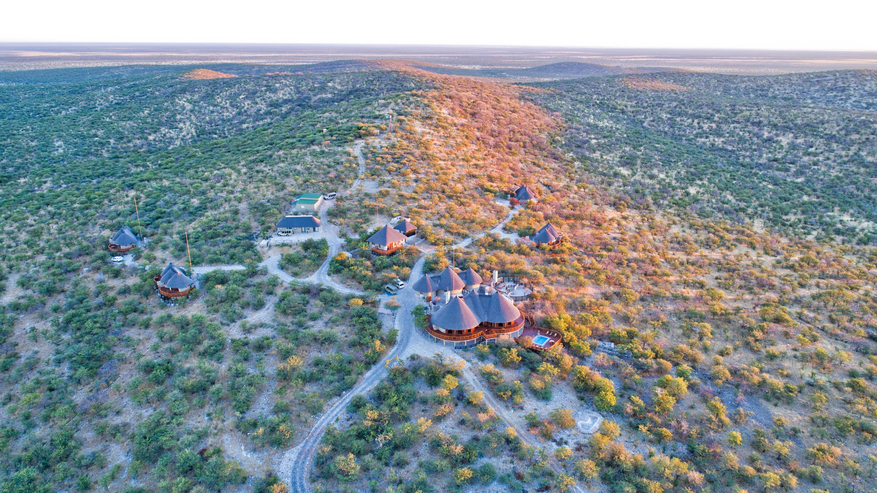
{"x": 447, "y": 281}
{"x": 482, "y": 314}
{"x": 548, "y": 235}
{"x": 387, "y": 241}
{"x": 173, "y": 282}
{"x": 526, "y": 194}
{"x": 406, "y": 227}
{"x": 123, "y": 240}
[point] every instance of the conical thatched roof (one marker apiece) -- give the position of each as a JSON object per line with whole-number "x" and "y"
{"x": 174, "y": 277}
{"x": 524, "y": 193}
{"x": 386, "y": 236}
{"x": 449, "y": 280}
{"x": 125, "y": 238}
{"x": 405, "y": 227}
{"x": 455, "y": 316}
{"x": 500, "y": 309}
{"x": 550, "y": 228}
{"x": 492, "y": 307}
{"x": 548, "y": 234}
{"x": 423, "y": 285}
{"x": 470, "y": 277}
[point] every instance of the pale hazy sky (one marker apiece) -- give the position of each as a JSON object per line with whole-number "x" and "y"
{"x": 744, "y": 24}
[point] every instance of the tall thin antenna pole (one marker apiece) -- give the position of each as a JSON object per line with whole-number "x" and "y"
{"x": 139, "y": 226}
{"x": 191, "y": 270}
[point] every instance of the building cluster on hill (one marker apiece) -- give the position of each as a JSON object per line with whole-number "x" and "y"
{"x": 465, "y": 310}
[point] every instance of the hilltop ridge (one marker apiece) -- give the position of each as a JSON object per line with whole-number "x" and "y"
{"x": 552, "y": 71}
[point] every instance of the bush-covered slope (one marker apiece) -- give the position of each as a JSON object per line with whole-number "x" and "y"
{"x": 107, "y": 386}
{"x": 796, "y": 151}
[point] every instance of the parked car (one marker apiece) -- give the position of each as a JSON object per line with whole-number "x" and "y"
{"x": 330, "y": 196}
{"x": 117, "y": 258}
{"x": 390, "y": 289}
{"x": 400, "y": 283}
{"x": 283, "y": 233}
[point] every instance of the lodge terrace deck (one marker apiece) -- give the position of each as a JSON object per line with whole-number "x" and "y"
{"x": 548, "y": 340}
{"x": 387, "y": 241}
{"x": 484, "y": 332}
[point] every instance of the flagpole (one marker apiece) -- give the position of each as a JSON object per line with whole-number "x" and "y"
{"x": 139, "y": 225}
{"x": 191, "y": 270}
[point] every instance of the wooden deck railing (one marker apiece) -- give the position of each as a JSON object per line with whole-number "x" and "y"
{"x": 486, "y": 332}
{"x": 456, "y": 337}
{"x": 171, "y": 292}
{"x": 118, "y": 248}
{"x": 389, "y": 251}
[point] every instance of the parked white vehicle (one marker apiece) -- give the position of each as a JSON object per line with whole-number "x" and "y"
{"x": 117, "y": 258}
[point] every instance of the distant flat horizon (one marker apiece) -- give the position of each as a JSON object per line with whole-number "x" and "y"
{"x": 743, "y": 24}
{"x": 368, "y": 47}
{"x": 45, "y": 55}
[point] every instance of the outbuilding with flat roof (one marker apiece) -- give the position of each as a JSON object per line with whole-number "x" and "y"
{"x": 307, "y": 202}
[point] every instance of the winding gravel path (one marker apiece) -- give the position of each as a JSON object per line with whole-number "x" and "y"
{"x": 496, "y": 229}
{"x": 203, "y": 269}
{"x": 321, "y": 276}
{"x": 300, "y": 459}
{"x": 503, "y": 414}
{"x": 357, "y": 149}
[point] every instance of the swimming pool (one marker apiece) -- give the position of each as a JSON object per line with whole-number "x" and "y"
{"x": 540, "y": 340}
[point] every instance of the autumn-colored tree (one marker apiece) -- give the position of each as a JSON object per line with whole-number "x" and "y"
{"x": 563, "y": 418}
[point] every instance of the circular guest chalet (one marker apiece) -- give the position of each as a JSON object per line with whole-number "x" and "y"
{"x": 173, "y": 282}
{"x": 406, "y": 227}
{"x": 525, "y": 194}
{"x": 548, "y": 235}
{"x": 123, "y": 241}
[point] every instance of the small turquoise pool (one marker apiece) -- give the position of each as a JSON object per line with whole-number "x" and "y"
{"x": 540, "y": 340}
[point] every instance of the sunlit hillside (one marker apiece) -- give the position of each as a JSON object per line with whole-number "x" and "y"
{"x": 713, "y": 294}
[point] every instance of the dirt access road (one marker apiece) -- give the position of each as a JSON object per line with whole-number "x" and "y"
{"x": 299, "y": 460}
